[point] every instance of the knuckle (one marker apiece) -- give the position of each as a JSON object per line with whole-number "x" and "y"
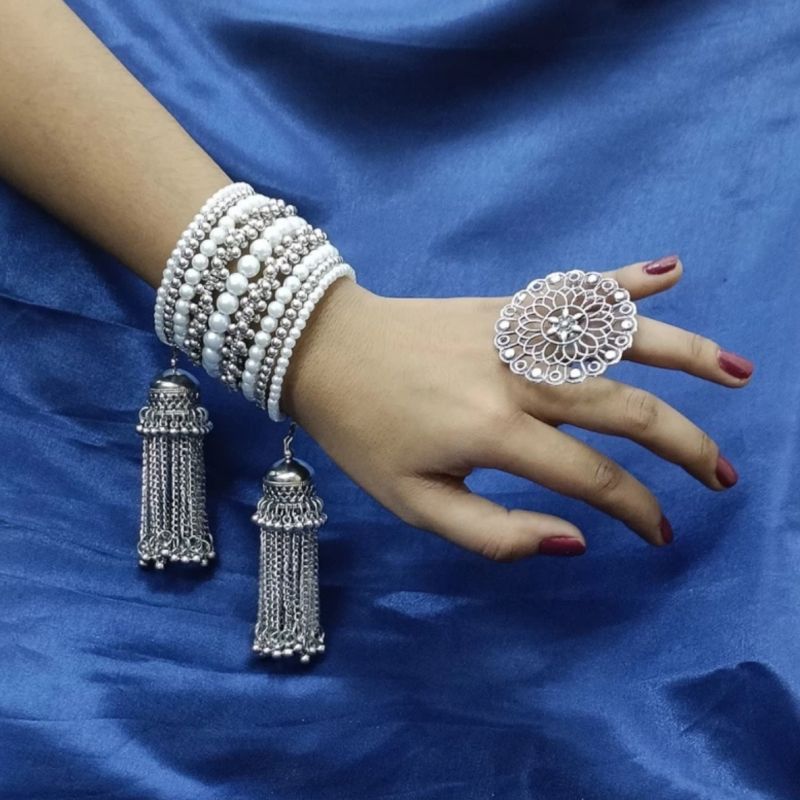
{"x": 607, "y": 476}
{"x": 707, "y": 449}
{"x": 641, "y": 411}
{"x": 496, "y": 548}
{"x": 698, "y": 346}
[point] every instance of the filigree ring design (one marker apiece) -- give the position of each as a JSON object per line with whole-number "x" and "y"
{"x": 566, "y": 327}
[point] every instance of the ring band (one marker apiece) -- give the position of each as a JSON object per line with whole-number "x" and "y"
{"x": 566, "y": 327}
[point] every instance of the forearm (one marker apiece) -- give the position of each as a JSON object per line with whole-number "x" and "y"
{"x": 82, "y": 137}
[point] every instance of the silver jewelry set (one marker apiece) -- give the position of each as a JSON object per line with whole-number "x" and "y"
{"x": 236, "y": 295}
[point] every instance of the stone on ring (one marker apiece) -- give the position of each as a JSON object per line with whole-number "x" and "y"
{"x": 566, "y": 327}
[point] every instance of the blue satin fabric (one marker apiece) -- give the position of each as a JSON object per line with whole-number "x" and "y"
{"x": 449, "y": 149}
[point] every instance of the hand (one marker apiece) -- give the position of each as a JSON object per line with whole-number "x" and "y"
{"x": 408, "y": 396}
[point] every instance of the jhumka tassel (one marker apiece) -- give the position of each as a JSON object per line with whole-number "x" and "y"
{"x": 289, "y": 516}
{"x": 174, "y": 525}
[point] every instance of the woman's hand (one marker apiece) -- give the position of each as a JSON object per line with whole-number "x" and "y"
{"x": 408, "y": 396}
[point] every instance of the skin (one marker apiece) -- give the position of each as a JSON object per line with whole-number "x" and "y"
{"x": 408, "y": 396}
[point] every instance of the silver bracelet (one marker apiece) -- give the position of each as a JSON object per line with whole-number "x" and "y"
{"x": 244, "y": 225}
{"x": 290, "y": 238}
{"x": 168, "y": 295}
{"x": 236, "y": 294}
{"x": 282, "y": 364}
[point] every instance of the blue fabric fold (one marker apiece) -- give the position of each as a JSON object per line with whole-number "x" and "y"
{"x": 449, "y": 149}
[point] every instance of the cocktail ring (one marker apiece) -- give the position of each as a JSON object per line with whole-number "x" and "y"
{"x": 566, "y": 327}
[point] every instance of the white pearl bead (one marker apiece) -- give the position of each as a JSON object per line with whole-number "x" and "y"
{"x": 236, "y": 213}
{"x": 178, "y": 320}
{"x": 283, "y": 362}
{"x": 199, "y": 261}
{"x": 300, "y": 324}
{"x": 192, "y": 276}
{"x": 227, "y": 223}
{"x": 283, "y": 295}
{"x": 218, "y": 322}
{"x": 289, "y": 343}
{"x": 292, "y": 283}
{"x": 294, "y": 332}
{"x": 237, "y": 283}
{"x": 262, "y": 339}
{"x": 275, "y": 309}
{"x": 261, "y": 249}
{"x": 301, "y": 271}
{"x": 280, "y": 372}
{"x": 257, "y": 352}
{"x": 273, "y": 236}
{"x": 303, "y": 313}
{"x": 268, "y": 324}
{"x": 182, "y": 306}
{"x": 213, "y": 340}
{"x": 186, "y": 292}
{"x": 251, "y": 365}
{"x": 227, "y": 303}
{"x": 218, "y": 235}
{"x": 212, "y": 356}
{"x": 208, "y": 248}
{"x": 248, "y": 391}
{"x": 248, "y": 378}
{"x": 248, "y": 265}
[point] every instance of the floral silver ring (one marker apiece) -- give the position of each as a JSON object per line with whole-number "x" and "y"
{"x": 566, "y": 327}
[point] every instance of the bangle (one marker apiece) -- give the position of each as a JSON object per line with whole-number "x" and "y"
{"x": 236, "y": 294}
{"x": 254, "y": 379}
{"x": 169, "y": 295}
{"x": 289, "y": 238}
{"x": 282, "y": 364}
{"x": 252, "y": 215}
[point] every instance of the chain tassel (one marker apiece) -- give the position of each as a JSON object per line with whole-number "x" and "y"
{"x": 174, "y": 525}
{"x": 289, "y": 515}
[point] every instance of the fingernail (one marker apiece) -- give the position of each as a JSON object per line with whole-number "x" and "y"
{"x": 561, "y": 546}
{"x": 666, "y": 530}
{"x": 666, "y": 264}
{"x": 735, "y": 365}
{"x": 726, "y": 474}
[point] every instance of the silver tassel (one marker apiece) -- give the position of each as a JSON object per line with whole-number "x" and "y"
{"x": 289, "y": 516}
{"x": 174, "y": 525}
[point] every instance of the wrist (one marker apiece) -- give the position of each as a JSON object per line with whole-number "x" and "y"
{"x": 326, "y": 347}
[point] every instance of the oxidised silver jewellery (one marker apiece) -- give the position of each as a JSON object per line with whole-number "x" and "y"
{"x": 565, "y": 327}
{"x": 236, "y": 294}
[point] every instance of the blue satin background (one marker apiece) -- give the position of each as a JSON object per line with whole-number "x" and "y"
{"x": 449, "y": 148}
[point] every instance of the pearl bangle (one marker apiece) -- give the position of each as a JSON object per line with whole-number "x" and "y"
{"x": 276, "y": 383}
{"x": 215, "y": 301}
{"x": 168, "y": 294}
{"x": 278, "y": 319}
{"x": 239, "y": 287}
{"x": 289, "y": 236}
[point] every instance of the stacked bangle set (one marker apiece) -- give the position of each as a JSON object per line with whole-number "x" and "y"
{"x": 239, "y": 288}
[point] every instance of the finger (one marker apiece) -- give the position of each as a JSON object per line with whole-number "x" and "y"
{"x": 661, "y": 345}
{"x": 645, "y": 278}
{"x": 606, "y": 406}
{"x": 449, "y": 509}
{"x": 539, "y": 452}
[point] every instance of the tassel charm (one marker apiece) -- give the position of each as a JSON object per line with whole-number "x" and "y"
{"x": 174, "y": 526}
{"x": 289, "y": 515}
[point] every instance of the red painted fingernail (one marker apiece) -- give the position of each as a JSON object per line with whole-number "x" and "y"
{"x": 561, "y": 546}
{"x": 726, "y": 474}
{"x": 735, "y": 365}
{"x": 666, "y": 530}
{"x": 666, "y": 264}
